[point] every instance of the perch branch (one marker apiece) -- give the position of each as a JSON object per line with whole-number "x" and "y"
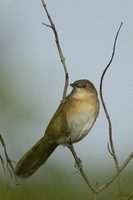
{"x": 80, "y": 168}
{"x": 70, "y": 146}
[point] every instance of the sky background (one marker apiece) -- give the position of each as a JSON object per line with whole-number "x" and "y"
{"x": 32, "y": 76}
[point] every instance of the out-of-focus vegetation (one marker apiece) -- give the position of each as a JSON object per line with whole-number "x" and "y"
{"x": 62, "y": 186}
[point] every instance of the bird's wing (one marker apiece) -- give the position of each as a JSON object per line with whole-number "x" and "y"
{"x": 57, "y": 113}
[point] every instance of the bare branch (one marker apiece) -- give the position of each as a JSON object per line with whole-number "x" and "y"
{"x": 8, "y": 167}
{"x": 112, "y": 151}
{"x": 62, "y": 58}
{"x": 101, "y": 95}
{"x": 9, "y": 161}
{"x": 108, "y": 147}
{"x": 130, "y": 157}
{"x": 129, "y": 197}
{"x": 5, "y": 173}
{"x": 80, "y": 168}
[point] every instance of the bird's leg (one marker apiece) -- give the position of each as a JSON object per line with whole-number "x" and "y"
{"x": 68, "y": 137}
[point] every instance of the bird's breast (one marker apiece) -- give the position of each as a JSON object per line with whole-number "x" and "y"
{"x": 80, "y": 123}
{"x": 81, "y": 117}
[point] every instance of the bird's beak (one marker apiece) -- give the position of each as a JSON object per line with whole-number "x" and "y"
{"x": 72, "y": 85}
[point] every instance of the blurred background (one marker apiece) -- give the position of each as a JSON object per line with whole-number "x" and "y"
{"x": 31, "y": 87}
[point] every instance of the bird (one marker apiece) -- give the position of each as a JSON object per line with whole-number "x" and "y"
{"x": 75, "y": 118}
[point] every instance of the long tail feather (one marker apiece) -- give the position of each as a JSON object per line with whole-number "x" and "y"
{"x": 35, "y": 157}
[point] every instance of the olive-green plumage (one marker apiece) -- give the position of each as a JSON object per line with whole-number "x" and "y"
{"x": 81, "y": 110}
{"x": 35, "y": 157}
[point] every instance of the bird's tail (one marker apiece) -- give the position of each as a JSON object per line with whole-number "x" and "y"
{"x": 35, "y": 157}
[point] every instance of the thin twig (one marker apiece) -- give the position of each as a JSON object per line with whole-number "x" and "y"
{"x": 80, "y": 168}
{"x": 130, "y": 157}
{"x": 9, "y": 161}
{"x": 95, "y": 195}
{"x": 112, "y": 151}
{"x": 6, "y": 174}
{"x": 62, "y": 58}
{"x": 101, "y": 95}
{"x": 129, "y": 197}
{"x": 8, "y": 167}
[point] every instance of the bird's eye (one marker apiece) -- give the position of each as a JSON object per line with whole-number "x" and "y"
{"x": 84, "y": 86}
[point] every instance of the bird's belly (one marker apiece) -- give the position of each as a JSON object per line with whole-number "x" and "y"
{"x": 80, "y": 126}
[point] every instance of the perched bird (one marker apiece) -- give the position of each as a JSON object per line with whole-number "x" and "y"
{"x": 75, "y": 117}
